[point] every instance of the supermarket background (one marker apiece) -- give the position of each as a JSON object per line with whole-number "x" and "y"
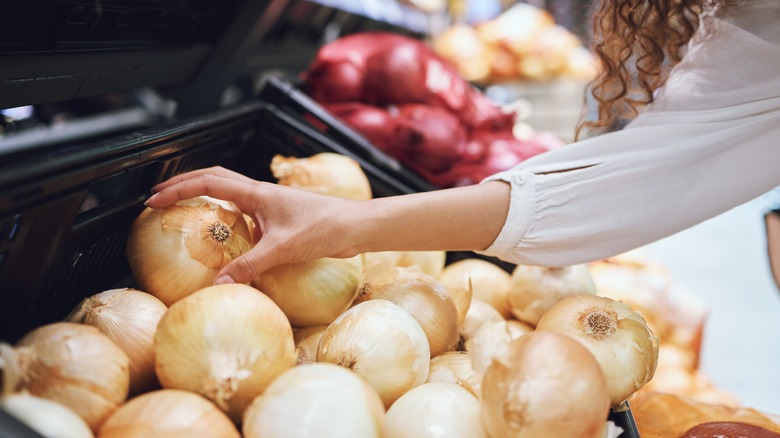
{"x": 720, "y": 266}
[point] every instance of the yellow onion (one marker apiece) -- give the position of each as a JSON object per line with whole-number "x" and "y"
{"x": 432, "y": 410}
{"x": 620, "y": 340}
{"x": 492, "y": 340}
{"x": 455, "y": 367}
{"x": 226, "y": 342}
{"x": 479, "y": 313}
{"x": 46, "y": 417}
{"x": 534, "y": 289}
{"x": 382, "y": 343}
{"x": 489, "y": 282}
{"x": 325, "y": 172}
{"x": 72, "y": 364}
{"x": 548, "y": 385}
{"x": 179, "y": 249}
{"x": 314, "y": 292}
{"x": 128, "y": 317}
{"x": 169, "y": 413}
{"x": 307, "y": 340}
{"x": 319, "y": 400}
{"x": 426, "y": 299}
{"x": 430, "y": 262}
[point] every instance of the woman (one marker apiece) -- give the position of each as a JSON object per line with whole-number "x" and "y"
{"x": 707, "y": 94}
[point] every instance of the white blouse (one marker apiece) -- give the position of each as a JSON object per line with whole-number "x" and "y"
{"x": 710, "y": 142}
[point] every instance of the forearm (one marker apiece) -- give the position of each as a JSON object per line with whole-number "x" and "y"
{"x": 465, "y": 218}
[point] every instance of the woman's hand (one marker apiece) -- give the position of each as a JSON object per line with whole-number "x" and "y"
{"x": 294, "y": 224}
{"x": 297, "y": 225}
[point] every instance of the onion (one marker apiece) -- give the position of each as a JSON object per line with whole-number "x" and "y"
{"x": 326, "y": 172}
{"x": 226, "y": 342}
{"x": 316, "y": 400}
{"x": 455, "y": 367}
{"x": 307, "y": 340}
{"x": 72, "y": 364}
{"x": 489, "y": 283}
{"x": 48, "y": 418}
{"x": 621, "y": 341}
{"x": 534, "y": 289}
{"x": 548, "y": 385}
{"x": 426, "y": 299}
{"x": 314, "y": 292}
{"x": 492, "y": 341}
{"x": 179, "y": 249}
{"x": 433, "y": 410}
{"x": 382, "y": 343}
{"x": 430, "y": 262}
{"x": 128, "y": 317}
{"x": 169, "y": 412}
{"x": 479, "y": 312}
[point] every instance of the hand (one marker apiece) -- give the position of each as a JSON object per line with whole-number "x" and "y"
{"x": 294, "y": 224}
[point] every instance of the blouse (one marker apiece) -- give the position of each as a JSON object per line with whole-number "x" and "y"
{"x": 709, "y": 142}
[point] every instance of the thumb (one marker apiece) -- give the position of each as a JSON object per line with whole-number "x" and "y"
{"x": 245, "y": 268}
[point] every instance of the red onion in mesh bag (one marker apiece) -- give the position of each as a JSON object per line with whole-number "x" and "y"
{"x": 436, "y": 139}
{"x": 396, "y": 69}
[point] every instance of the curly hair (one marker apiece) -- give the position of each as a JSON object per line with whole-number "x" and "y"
{"x": 637, "y": 43}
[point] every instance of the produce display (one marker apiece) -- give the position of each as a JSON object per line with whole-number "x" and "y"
{"x": 412, "y": 104}
{"x": 522, "y": 44}
{"x": 399, "y": 345}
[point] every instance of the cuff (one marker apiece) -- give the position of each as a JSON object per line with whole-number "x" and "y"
{"x": 520, "y": 216}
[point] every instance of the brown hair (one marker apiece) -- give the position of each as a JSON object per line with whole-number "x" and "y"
{"x": 636, "y": 42}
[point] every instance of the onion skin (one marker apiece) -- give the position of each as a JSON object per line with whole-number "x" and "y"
{"x": 316, "y": 400}
{"x": 168, "y": 412}
{"x": 77, "y": 366}
{"x": 489, "y": 282}
{"x": 327, "y": 173}
{"x": 548, "y": 386}
{"x": 313, "y": 292}
{"x": 128, "y": 317}
{"x": 382, "y": 343}
{"x": 534, "y": 290}
{"x": 618, "y": 337}
{"x": 179, "y": 249}
{"x": 434, "y": 410}
{"x": 455, "y": 367}
{"x": 225, "y": 342}
{"x": 426, "y": 299}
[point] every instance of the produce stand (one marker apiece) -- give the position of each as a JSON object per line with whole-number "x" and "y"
{"x": 67, "y": 202}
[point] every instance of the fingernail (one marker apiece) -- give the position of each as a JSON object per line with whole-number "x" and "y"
{"x": 150, "y": 199}
{"x": 224, "y": 279}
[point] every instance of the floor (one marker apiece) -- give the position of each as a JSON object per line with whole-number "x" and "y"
{"x": 723, "y": 262}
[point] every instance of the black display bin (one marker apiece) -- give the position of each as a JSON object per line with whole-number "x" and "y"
{"x": 67, "y": 202}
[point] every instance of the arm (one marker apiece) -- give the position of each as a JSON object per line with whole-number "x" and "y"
{"x": 298, "y": 225}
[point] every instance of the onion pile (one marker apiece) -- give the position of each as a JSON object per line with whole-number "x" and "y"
{"x": 390, "y": 344}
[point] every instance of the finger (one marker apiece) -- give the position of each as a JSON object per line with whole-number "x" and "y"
{"x": 247, "y": 267}
{"x": 216, "y": 170}
{"x": 226, "y": 189}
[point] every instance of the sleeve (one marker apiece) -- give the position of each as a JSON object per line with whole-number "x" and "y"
{"x": 709, "y": 143}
